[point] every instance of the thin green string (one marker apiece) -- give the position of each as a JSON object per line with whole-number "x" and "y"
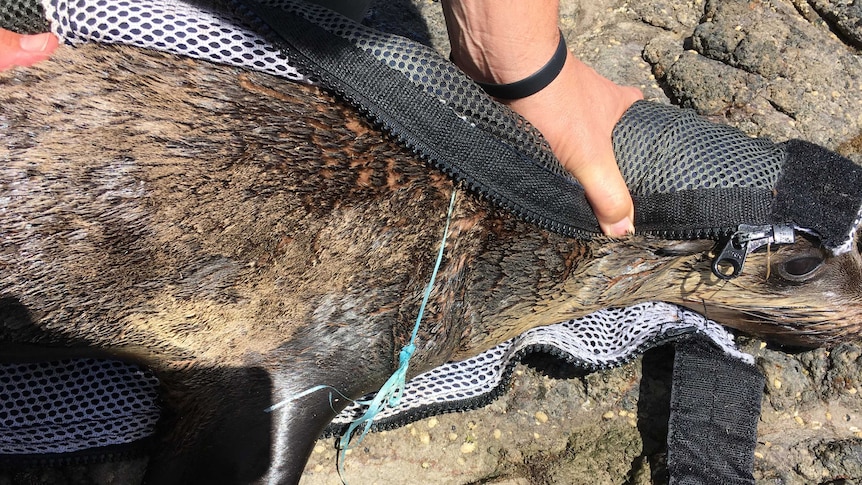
{"x": 392, "y": 390}
{"x": 390, "y": 393}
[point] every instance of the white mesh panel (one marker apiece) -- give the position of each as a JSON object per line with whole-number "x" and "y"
{"x": 73, "y": 405}
{"x": 600, "y": 340}
{"x": 169, "y": 26}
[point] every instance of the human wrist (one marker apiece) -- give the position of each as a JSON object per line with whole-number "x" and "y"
{"x": 501, "y": 41}
{"x": 533, "y": 83}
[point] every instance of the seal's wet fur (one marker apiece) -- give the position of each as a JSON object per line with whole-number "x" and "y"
{"x": 249, "y": 238}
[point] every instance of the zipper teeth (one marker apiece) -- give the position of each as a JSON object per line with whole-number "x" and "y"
{"x": 714, "y": 233}
{"x": 414, "y": 145}
{"x": 90, "y": 456}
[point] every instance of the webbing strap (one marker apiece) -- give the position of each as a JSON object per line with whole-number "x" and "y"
{"x": 714, "y": 409}
{"x": 681, "y": 215}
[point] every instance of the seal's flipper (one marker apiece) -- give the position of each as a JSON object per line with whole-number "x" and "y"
{"x": 244, "y": 425}
{"x": 215, "y": 427}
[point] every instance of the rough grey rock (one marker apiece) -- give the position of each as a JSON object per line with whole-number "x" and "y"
{"x": 845, "y": 17}
{"x": 764, "y": 67}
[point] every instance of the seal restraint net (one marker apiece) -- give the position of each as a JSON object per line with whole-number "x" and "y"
{"x": 689, "y": 178}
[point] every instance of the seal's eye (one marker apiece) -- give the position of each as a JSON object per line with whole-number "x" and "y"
{"x": 801, "y": 268}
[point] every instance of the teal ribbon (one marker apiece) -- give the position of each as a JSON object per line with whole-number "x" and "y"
{"x": 391, "y": 391}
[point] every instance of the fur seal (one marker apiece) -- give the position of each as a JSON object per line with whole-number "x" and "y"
{"x": 247, "y": 239}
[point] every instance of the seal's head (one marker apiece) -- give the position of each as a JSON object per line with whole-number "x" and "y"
{"x": 796, "y": 294}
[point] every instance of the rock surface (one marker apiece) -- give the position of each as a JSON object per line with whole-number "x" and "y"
{"x": 778, "y": 68}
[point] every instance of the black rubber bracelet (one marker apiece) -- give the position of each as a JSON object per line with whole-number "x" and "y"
{"x": 535, "y": 82}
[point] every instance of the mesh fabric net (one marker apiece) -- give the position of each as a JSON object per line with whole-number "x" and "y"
{"x": 73, "y": 405}
{"x": 663, "y": 149}
{"x": 23, "y": 16}
{"x": 169, "y": 26}
{"x": 601, "y": 340}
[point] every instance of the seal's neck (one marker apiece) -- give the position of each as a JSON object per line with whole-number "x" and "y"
{"x": 541, "y": 279}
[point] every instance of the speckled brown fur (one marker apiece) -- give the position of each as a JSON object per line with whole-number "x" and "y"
{"x": 249, "y": 238}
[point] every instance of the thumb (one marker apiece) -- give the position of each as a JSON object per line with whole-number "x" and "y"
{"x": 25, "y": 50}
{"x": 608, "y": 195}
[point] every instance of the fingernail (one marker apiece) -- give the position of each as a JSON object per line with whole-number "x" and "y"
{"x": 619, "y": 228}
{"x": 35, "y": 43}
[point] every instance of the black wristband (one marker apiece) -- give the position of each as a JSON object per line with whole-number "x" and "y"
{"x": 535, "y": 82}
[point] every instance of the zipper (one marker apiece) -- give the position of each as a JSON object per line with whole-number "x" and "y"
{"x": 729, "y": 261}
{"x": 141, "y": 448}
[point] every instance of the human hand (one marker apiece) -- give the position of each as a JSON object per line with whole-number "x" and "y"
{"x": 25, "y": 50}
{"x": 504, "y": 41}
{"x": 577, "y": 113}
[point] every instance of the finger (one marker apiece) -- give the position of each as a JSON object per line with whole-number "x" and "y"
{"x": 25, "y": 50}
{"x": 604, "y": 185}
{"x": 608, "y": 195}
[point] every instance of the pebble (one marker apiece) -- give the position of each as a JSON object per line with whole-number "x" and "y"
{"x": 431, "y": 423}
{"x": 318, "y": 448}
{"x": 497, "y": 434}
{"x": 541, "y": 417}
{"x": 468, "y": 447}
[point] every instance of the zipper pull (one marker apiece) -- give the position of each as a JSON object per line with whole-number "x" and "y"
{"x": 747, "y": 239}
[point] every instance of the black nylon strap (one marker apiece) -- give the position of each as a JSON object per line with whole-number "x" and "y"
{"x": 714, "y": 409}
